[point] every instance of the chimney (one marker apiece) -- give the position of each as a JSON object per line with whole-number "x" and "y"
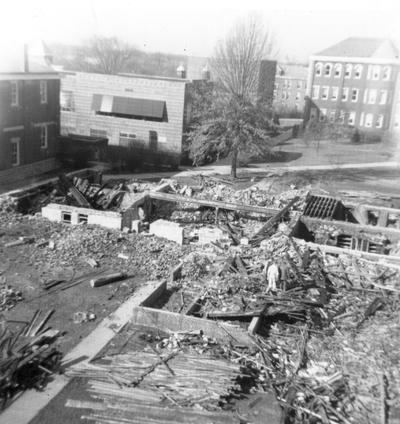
{"x": 181, "y": 72}
{"x": 26, "y": 58}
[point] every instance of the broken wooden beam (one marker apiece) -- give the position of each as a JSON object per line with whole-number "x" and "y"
{"x": 167, "y": 197}
{"x": 106, "y": 279}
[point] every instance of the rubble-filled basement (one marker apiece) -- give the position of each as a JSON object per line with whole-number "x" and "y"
{"x": 198, "y": 300}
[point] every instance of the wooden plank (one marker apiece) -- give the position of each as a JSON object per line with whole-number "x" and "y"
{"x": 212, "y": 203}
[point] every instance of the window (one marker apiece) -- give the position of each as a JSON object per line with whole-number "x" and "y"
{"x": 322, "y": 115}
{"x": 94, "y": 132}
{"x": 357, "y": 71}
{"x": 383, "y": 96}
{"x": 82, "y": 218}
{"x": 379, "y": 121}
{"x": 327, "y": 70}
{"x": 352, "y": 118}
{"x": 313, "y": 114}
{"x": 288, "y": 84}
{"x": 66, "y": 217}
{"x": 386, "y": 73}
{"x": 335, "y": 93}
{"x": 337, "y": 70}
{"x": 345, "y": 94}
{"x": 315, "y": 92}
{"x": 362, "y": 119}
{"x": 325, "y": 93}
{"x": 332, "y": 116}
{"x": 347, "y": 72}
{"x": 15, "y": 158}
{"x": 371, "y": 96}
{"x": 342, "y": 115}
{"x": 354, "y": 94}
{"x": 285, "y": 95}
{"x": 43, "y": 92}
{"x": 318, "y": 69}
{"x": 14, "y": 94}
{"x": 67, "y": 100}
{"x": 153, "y": 140}
{"x": 126, "y": 139}
{"x": 374, "y": 72}
{"x": 43, "y": 136}
{"x": 298, "y": 96}
{"x": 369, "y": 117}
{"x": 65, "y": 130}
{"x": 299, "y": 84}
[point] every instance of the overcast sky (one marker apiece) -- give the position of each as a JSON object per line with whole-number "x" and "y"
{"x": 193, "y": 27}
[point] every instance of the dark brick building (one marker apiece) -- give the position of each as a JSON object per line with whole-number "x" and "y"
{"x": 29, "y": 113}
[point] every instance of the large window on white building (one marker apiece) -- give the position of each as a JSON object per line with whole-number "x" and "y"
{"x": 379, "y": 121}
{"x": 327, "y": 70}
{"x": 325, "y": 93}
{"x": 383, "y": 97}
{"x": 67, "y": 100}
{"x": 334, "y": 93}
{"x": 322, "y": 115}
{"x": 369, "y": 117}
{"x": 318, "y": 69}
{"x": 337, "y": 70}
{"x": 358, "y": 71}
{"x": 372, "y": 96}
{"x": 347, "y": 71}
{"x": 354, "y": 94}
{"x": 386, "y": 73}
{"x": 352, "y": 118}
{"x": 345, "y": 94}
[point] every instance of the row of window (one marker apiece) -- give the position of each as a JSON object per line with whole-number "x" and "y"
{"x": 15, "y": 97}
{"x": 287, "y": 83}
{"x": 368, "y": 120}
{"x": 285, "y": 95}
{"x": 352, "y": 71}
{"x": 371, "y": 96}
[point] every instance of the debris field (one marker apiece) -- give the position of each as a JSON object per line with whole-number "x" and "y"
{"x": 312, "y": 280}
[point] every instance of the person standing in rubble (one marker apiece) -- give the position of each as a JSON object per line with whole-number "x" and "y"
{"x": 272, "y": 274}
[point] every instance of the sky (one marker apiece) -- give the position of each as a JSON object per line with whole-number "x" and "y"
{"x": 301, "y": 28}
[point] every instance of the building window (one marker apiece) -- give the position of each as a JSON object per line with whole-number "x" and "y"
{"x": 354, "y": 94}
{"x": 352, "y": 118}
{"x": 288, "y": 84}
{"x": 335, "y": 92}
{"x": 299, "y": 84}
{"x": 98, "y": 133}
{"x": 369, "y": 117}
{"x": 374, "y": 72}
{"x": 66, "y": 130}
{"x": 383, "y": 96}
{"x": 313, "y": 114}
{"x": 298, "y": 96}
{"x": 318, "y": 69}
{"x": 358, "y": 71}
{"x": 386, "y": 73}
{"x": 153, "y": 140}
{"x": 347, "y": 72}
{"x": 337, "y": 70}
{"x": 332, "y": 116}
{"x": 82, "y": 218}
{"x": 345, "y": 94}
{"x": 322, "y": 115}
{"x": 67, "y": 100}
{"x": 379, "y": 121}
{"x": 315, "y": 92}
{"x": 126, "y": 139}
{"x": 66, "y": 217}
{"x": 327, "y": 70}
{"x": 15, "y": 151}
{"x": 285, "y": 95}
{"x": 14, "y": 94}
{"x": 325, "y": 93}
{"x": 43, "y": 92}
{"x": 342, "y": 115}
{"x": 362, "y": 119}
{"x": 371, "y": 96}
{"x": 43, "y": 136}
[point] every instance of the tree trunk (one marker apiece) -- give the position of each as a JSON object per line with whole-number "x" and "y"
{"x": 234, "y": 162}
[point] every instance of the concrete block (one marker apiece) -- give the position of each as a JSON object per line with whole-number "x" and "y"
{"x": 167, "y": 229}
{"x": 208, "y": 235}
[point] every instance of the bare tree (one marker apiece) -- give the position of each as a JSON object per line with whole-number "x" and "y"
{"x": 234, "y": 123}
{"x": 237, "y": 58}
{"x": 108, "y": 55}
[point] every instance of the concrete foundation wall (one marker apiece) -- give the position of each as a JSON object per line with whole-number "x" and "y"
{"x": 55, "y": 212}
{"x": 167, "y": 229}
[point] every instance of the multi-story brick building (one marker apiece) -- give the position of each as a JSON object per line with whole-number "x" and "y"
{"x": 29, "y": 112}
{"x": 353, "y": 82}
{"x": 141, "y": 114}
{"x": 290, "y": 88}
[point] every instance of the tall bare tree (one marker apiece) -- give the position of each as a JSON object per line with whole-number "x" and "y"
{"x": 234, "y": 122}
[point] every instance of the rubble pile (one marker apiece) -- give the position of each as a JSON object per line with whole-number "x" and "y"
{"x": 8, "y": 297}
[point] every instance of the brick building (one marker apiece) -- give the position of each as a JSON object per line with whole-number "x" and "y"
{"x": 353, "y": 82}
{"x": 142, "y": 115}
{"x": 29, "y": 112}
{"x": 290, "y": 88}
